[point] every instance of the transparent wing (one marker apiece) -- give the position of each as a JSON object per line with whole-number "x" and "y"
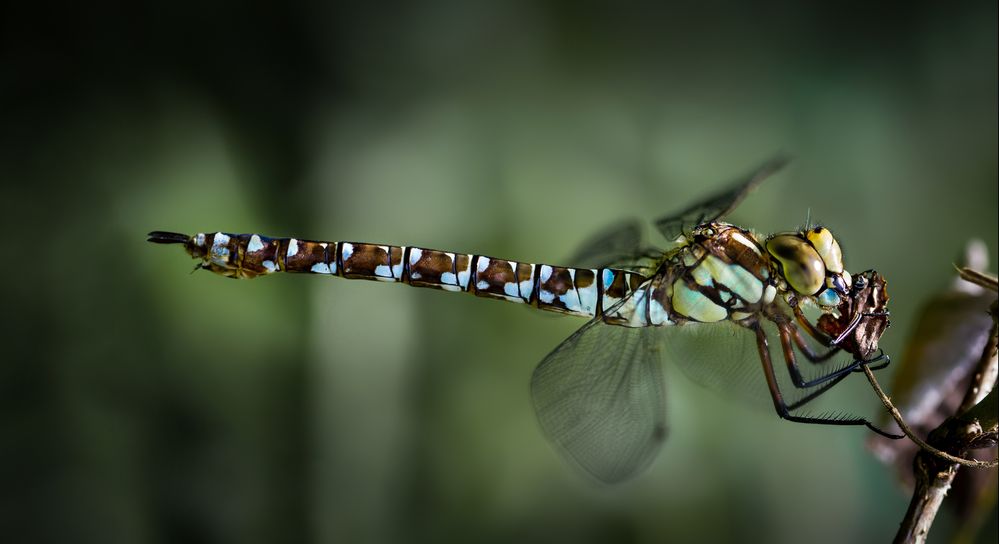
{"x": 619, "y": 241}
{"x": 719, "y": 205}
{"x": 600, "y": 398}
{"x": 619, "y": 246}
{"x": 644, "y": 264}
{"x": 724, "y": 358}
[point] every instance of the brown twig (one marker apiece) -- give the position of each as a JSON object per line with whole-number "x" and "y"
{"x": 897, "y": 416}
{"x": 975, "y": 426}
{"x": 980, "y": 279}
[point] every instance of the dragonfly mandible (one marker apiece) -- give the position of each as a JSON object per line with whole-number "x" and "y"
{"x": 600, "y": 395}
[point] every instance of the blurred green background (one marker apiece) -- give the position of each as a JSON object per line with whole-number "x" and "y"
{"x": 141, "y": 403}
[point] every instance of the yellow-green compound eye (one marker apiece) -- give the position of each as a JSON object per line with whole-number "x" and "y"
{"x": 803, "y": 268}
{"x": 827, "y": 246}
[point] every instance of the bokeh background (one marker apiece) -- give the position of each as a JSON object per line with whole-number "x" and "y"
{"x": 141, "y": 403}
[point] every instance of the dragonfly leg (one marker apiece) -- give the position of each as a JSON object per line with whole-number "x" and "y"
{"x": 815, "y": 394}
{"x": 806, "y": 349}
{"x": 818, "y": 335}
{"x": 792, "y": 363}
{"x": 857, "y": 366}
{"x": 782, "y": 409}
{"x": 883, "y": 360}
{"x": 830, "y": 384}
{"x": 788, "y": 328}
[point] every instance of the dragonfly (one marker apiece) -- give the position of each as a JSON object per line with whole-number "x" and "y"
{"x": 714, "y": 299}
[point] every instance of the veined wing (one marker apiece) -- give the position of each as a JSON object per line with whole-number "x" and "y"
{"x": 618, "y": 246}
{"x": 600, "y": 398}
{"x": 719, "y": 205}
{"x": 724, "y": 358}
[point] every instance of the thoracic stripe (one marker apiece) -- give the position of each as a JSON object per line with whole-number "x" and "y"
{"x": 695, "y": 305}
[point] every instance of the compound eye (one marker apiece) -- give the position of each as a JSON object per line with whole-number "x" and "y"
{"x": 803, "y": 268}
{"x": 827, "y": 247}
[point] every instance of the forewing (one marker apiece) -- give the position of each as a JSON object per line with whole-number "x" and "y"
{"x": 719, "y": 205}
{"x": 601, "y": 399}
{"x": 619, "y": 241}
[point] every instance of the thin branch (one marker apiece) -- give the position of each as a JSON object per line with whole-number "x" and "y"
{"x": 926, "y": 500}
{"x": 897, "y": 416}
{"x": 935, "y": 470}
{"x": 980, "y": 279}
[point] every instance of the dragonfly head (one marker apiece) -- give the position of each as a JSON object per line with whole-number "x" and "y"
{"x": 811, "y": 263}
{"x": 862, "y": 317}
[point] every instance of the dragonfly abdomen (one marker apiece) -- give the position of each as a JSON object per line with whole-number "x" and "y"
{"x": 585, "y": 292}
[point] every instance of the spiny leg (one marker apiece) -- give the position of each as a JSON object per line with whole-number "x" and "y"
{"x": 806, "y": 349}
{"x": 792, "y": 363}
{"x": 815, "y": 394}
{"x": 884, "y": 362}
{"x": 828, "y": 381}
{"x": 818, "y": 335}
{"x": 829, "y": 385}
{"x": 826, "y": 340}
{"x": 789, "y": 332}
{"x": 782, "y": 409}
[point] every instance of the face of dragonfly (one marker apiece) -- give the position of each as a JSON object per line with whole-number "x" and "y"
{"x": 810, "y": 263}
{"x": 863, "y": 316}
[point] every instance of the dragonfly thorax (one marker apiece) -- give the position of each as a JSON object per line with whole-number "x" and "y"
{"x": 811, "y": 264}
{"x": 722, "y": 272}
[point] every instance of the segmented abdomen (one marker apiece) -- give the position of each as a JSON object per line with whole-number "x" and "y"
{"x": 575, "y": 291}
